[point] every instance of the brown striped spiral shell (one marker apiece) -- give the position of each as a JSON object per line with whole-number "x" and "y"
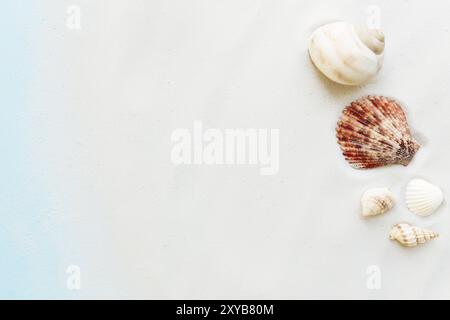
{"x": 373, "y": 132}
{"x": 411, "y": 236}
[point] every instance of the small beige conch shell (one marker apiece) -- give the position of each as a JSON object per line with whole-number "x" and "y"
{"x": 347, "y": 54}
{"x": 410, "y": 236}
{"x": 376, "y": 201}
{"x": 422, "y": 197}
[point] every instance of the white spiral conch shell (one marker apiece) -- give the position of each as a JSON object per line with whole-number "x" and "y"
{"x": 376, "y": 201}
{"x": 422, "y": 197}
{"x": 347, "y": 54}
{"x": 411, "y": 236}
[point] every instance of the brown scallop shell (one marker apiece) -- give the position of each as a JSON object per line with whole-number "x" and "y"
{"x": 373, "y": 132}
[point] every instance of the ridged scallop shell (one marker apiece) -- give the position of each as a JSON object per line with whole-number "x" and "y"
{"x": 345, "y": 53}
{"x": 376, "y": 201}
{"x": 410, "y": 236}
{"x": 373, "y": 132}
{"x": 422, "y": 197}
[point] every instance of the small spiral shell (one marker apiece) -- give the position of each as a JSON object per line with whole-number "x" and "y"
{"x": 411, "y": 236}
{"x": 376, "y": 201}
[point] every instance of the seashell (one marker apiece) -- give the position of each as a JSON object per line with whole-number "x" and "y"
{"x": 347, "y": 54}
{"x": 422, "y": 197}
{"x": 373, "y": 132}
{"x": 410, "y": 236}
{"x": 377, "y": 201}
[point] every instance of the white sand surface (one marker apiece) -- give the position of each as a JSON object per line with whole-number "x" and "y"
{"x": 138, "y": 70}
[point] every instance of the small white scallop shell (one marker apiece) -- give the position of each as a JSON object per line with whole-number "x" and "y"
{"x": 376, "y": 201}
{"x": 422, "y": 197}
{"x": 410, "y": 236}
{"x": 347, "y": 54}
